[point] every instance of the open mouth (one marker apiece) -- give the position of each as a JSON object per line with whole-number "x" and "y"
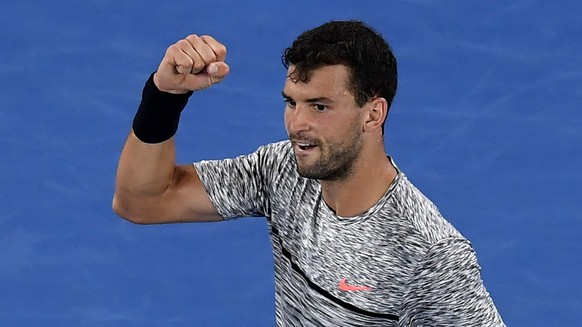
{"x": 304, "y": 146}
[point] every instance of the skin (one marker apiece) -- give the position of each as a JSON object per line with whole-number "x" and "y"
{"x": 348, "y": 155}
{"x": 150, "y": 188}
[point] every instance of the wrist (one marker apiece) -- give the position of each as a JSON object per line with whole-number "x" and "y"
{"x": 158, "y": 115}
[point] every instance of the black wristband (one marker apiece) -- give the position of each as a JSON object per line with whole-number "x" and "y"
{"x": 159, "y": 112}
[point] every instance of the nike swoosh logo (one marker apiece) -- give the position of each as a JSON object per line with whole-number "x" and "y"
{"x": 344, "y": 286}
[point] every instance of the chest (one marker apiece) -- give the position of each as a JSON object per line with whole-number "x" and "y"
{"x": 363, "y": 264}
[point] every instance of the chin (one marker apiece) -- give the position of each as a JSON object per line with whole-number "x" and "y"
{"x": 306, "y": 171}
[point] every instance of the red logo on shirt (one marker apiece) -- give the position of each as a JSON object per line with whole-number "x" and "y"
{"x": 344, "y": 286}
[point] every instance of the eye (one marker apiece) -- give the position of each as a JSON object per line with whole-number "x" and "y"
{"x": 320, "y": 107}
{"x": 290, "y": 103}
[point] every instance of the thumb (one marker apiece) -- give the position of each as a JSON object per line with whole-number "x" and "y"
{"x": 214, "y": 73}
{"x": 217, "y": 70}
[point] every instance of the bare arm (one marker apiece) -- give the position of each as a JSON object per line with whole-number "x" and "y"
{"x": 150, "y": 188}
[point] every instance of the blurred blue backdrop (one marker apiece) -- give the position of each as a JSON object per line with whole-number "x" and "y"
{"x": 486, "y": 122}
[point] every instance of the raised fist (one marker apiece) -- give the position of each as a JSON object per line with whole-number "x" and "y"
{"x": 192, "y": 64}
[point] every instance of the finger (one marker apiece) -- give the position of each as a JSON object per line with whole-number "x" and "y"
{"x": 215, "y": 73}
{"x": 183, "y": 70}
{"x": 203, "y": 50}
{"x": 177, "y": 60}
{"x": 195, "y": 63}
{"x": 218, "y": 48}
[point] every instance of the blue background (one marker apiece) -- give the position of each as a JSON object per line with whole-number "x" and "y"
{"x": 486, "y": 122}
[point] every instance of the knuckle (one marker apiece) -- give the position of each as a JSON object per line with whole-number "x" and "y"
{"x": 183, "y": 64}
{"x": 221, "y": 50}
{"x": 216, "y": 46}
{"x": 173, "y": 48}
{"x": 207, "y": 38}
{"x": 192, "y": 37}
{"x": 198, "y": 64}
{"x": 183, "y": 43}
{"x": 172, "y": 52}
{"x": 211, "y": 57}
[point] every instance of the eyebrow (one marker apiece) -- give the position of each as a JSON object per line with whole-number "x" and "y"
{"x": 310, "y": 100}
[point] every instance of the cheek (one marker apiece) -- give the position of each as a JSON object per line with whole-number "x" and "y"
{"x": 348, "y": 131}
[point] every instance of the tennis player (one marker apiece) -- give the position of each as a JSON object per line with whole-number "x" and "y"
{"x": 355, "y": 242}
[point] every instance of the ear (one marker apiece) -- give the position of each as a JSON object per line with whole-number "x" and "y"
{"x": 376, "y": 113}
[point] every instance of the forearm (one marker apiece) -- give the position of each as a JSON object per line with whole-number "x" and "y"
{"x": 148, "y": 158}
{"x": 144, "y": 174}
{"x": 150, "y": 187}
{"x": 145, "y": 170}
{"x": 147, "y": 164}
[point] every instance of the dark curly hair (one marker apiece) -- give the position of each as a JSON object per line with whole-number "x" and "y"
{"x": 363, "y": 51}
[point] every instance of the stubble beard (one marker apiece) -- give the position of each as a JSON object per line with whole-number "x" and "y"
{"x": 336, "y": 160}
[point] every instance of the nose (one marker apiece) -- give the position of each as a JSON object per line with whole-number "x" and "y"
{"x": 297, "y": 119}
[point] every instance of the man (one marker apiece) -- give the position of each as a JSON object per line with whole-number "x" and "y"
{"x": 355, "y": 243}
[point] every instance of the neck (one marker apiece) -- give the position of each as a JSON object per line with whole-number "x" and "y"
{"x": 368, "y": 182}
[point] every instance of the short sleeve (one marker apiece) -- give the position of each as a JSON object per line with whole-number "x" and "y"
{"x": 236, "y": 186}
{"x": 446, "y": 289}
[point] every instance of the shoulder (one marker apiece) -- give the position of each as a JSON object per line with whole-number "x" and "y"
{"x": 275, "y": 157}
{"x": 446, "y": 289}
{"x": 454, "y": 251}
{"x": 445, "y": 260}
{"x": 277, "y": 150}
{"x": 421, "y": 213}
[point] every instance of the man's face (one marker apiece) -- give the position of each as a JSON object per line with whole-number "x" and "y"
{"x": 323, "y": 123}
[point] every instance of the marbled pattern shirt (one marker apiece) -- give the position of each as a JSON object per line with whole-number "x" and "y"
{"x": 398, "y": 264}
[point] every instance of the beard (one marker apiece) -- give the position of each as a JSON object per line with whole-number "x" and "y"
{"x": 335, "y": 161}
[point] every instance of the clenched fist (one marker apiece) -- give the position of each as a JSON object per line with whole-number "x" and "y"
{"x": 192, "y": 64}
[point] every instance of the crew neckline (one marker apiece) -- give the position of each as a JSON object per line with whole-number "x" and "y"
{"x": 373, "y": 209}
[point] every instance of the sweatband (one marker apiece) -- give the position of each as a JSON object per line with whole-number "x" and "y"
{"x": 158, "y": 114}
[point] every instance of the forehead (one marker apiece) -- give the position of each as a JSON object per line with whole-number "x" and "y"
{"x": 326, "y": 81}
